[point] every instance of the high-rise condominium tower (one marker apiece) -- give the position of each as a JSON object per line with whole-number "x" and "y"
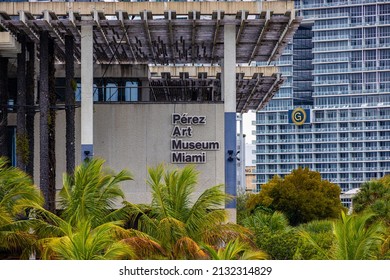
{"x": 332, "y": 114}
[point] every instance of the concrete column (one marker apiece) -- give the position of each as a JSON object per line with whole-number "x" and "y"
{"x": 242, "y": 154}
{"x": 86, "y": 92}
{"x": 243, "y": 159}
{"x": 229, "y": 93}
{"x": 145, "y": 90}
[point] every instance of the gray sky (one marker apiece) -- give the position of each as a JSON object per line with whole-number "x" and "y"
{"x": 248, "y": 127}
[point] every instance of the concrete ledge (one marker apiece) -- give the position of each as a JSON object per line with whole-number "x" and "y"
{"x": 212, "y": 71}
{"x": 9, "y": 47}
{"x": 134, "y": 8}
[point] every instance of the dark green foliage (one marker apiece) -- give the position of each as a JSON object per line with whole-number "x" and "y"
{"x": 374, "y": 196}
{"x": 273, "y": 234}
{"x": 242, "y": 210}
{"x": 302, "y": 196}
{"x": 355, "y": 237}
{"x": 322, "y": 233}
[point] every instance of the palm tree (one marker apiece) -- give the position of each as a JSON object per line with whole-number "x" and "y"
{"x": 86, "y": 243}
{"x": 87, "y": 226}
{"x": 17, "y": 195}
{"x": 374, "y": 196}
{"x": 235, "y": 250}
{"x": 91, "y": 193}
{"x": 369, "y": 193}
{"x": 356, "y": 237}
{"x": 177, "y": 223}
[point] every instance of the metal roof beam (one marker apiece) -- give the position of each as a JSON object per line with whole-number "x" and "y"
{"x": 53, "y": 32}
{"x": 267, "y": 16}
{"x": 271, "y": 92}
{"x": 171, "y": 15}
{"x": 242, "y": 15}
{"x": 24, "y": 17}
{"x": 218, "y": 15}
{"x": 122, "y": 15}
{"x": 97, "y": 16}
{"x": 282, "y": 38}
{"x": 258, "y": 78}
{"x": 145, "y": 16}
{"x": 193, "y": 35}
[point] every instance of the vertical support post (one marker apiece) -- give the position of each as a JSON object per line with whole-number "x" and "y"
{"x": 22, "y": 148}
{"x": 229, "y": 88}
{"x": 243, "y": 157}
{"x": 3, "y": 107}
{"x": 30, "y": 100}
{"x": 86, "y": 92}
{"x": 145, "y": 90}
{"x": 69, "y": 104}
{"x": 44, "y": 172}
{"x": 52, "y": 124}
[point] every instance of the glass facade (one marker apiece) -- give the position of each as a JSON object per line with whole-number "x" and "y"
{"x": 338, "y": 66}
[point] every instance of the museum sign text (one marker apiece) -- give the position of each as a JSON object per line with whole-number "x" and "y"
{"x": 184, "y": 150}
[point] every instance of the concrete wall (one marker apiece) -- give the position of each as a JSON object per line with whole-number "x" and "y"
{"x": 135, "y": 136}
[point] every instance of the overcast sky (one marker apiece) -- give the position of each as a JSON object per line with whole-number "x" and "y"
{"x": 248, "y": 127}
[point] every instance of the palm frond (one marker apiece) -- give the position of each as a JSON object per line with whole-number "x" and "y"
{"x": 187, "y": 249}
{"x": 235, "y": 250}
{"x": 357, "y": 239}
{"x": 321, "y": 253}
{"x": 91, "y": 193}
{"x": 144, "y": 247}
{"x": 220, "y": 234}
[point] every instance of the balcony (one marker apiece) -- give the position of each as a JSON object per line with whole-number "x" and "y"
{"x": 336, "y": 4}
{"x": 332, "y": 82}
{"x": 330, "y": 26}
{"x": 331, "y": 60}
{"x": 330, "y": 93}
{"x": 330, "y": 38}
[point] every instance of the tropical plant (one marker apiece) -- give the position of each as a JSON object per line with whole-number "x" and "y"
{"x": 87, "y": 226}
{"x": 321, "y": 231}
{"x": 17, "y": 193}
{"x": 86, "y": 243}
{"x": 177, "y": 222}
{"x": 242, "y": 210}
{"x": 273, "y": 234}
{"x": 302, "y": 196}
{"x": 374, "y": 196}
{"x": 91, "y": 194}
{"x": 235, "y": 250}
{"x": 356, "y": 237}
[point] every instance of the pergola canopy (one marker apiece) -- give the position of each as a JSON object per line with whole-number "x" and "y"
{"x": 156, "y": 35}
{"x": 167, "y": 34}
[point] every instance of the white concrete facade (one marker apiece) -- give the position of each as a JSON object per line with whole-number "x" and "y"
{"x": 137, "y": 136}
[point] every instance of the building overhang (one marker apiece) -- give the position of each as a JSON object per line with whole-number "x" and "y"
{"x": 255, "y": 85}
{"x": 158, "y": 33}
